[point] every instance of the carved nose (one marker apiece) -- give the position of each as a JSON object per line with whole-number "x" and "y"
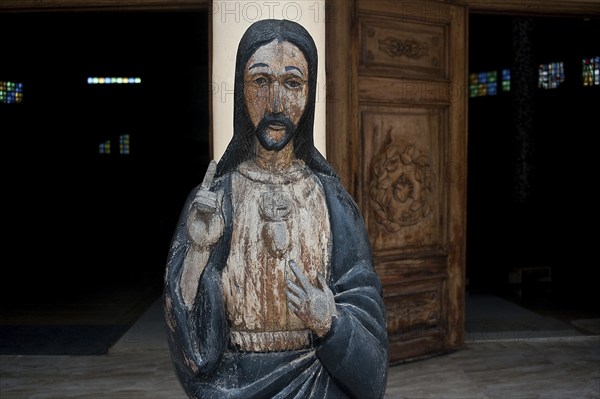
{"x": 275, "y": 100}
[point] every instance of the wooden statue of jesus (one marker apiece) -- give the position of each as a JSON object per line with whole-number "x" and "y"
{"x": 270, "y": 290}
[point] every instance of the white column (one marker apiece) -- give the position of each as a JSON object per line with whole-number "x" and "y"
{"x": 230, "y": 19}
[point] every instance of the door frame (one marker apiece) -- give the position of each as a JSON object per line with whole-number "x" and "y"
{"x": 344, "y": 141}
{"x": 520, "y": 7}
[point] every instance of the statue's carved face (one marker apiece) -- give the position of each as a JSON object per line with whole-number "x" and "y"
{"x": 276, "y": 92}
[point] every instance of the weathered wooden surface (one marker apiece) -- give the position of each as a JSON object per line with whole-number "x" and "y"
{"x": 528, "y": 7}
{"x": 270, "y": 288}
{"x": 403, "y": 156}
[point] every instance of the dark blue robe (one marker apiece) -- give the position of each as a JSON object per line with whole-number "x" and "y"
{"x": 350, "y": 361}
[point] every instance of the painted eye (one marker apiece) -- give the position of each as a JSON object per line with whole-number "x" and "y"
{"x": 292, "y": 84}
{"x": 261, "y": 81}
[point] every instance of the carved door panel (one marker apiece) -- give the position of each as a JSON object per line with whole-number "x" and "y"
{"x": 407, "y": 134}
{"x": 411, "y": 71}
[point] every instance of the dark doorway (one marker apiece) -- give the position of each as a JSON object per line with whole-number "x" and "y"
{"x": 82, "y": 222}
{"x": 530, "y": 191}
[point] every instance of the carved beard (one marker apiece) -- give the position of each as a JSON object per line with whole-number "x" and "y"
{"x": 268, "y": 142}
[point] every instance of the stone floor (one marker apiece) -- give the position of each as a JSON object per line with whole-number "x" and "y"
{"x": 527, "y": 356}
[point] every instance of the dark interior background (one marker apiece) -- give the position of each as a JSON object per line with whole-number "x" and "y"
{"x": 76, "y": 221}
{"x": 549, "y": 222}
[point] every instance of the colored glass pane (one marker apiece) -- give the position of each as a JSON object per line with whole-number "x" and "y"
{"x": 113, "y": 80}
{"x": 483, "y": 84}
{"x": 124, "y": 144}
{"x": 11, "y": 92}
{"x": 506, "y": 80}
{"x": 551, "y": 75}
{"x": 591, "y": 71}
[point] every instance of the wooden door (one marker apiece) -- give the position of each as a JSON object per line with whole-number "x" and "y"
{"x": 402, "y": 154}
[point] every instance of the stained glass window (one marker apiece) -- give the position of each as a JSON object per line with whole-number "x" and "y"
{"x": 483, "y": 84}
{"x": 591, "y": 71}
{"x": 104, "y": 148}
{"x": 11, "y": 92}
{"x": 113, "y": 80}
{"x": 124, "y": 144}
{"x": 506, "y": 79}
{"x": 551, "y": 75}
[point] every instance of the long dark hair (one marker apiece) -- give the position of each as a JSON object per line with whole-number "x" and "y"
{"x": 241, "y": 146}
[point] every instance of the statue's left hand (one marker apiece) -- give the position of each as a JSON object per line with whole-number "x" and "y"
{"x": 314, "y": 305}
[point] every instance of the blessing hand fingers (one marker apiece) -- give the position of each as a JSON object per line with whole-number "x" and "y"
{"x": 206, "y": 200}
{"x": 295, "y": 290}
{"x": 306, "y": 285}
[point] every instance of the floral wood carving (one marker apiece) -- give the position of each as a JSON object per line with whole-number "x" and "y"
{"x": 410, "y": 48}
{"x": 400, "y": 190}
